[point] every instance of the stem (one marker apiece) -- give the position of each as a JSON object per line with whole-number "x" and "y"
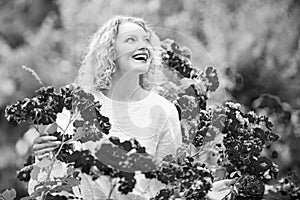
{"x": 111, "y": 190}
{"x": 62, "y": 142}
{"x": 61, "y": 146}
{"x": 198, "y": 152}
{"x": 36, "y": 127}
{"x": 227, "y": 195}
{"x": 58, "y": 126}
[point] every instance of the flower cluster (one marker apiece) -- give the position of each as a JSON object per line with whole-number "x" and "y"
{"x": 41, "y": 109}
{"x": 245, "y": 136}
{"x": 248, "y": 187}
{"x": 203, "y": 127}
{"x": 179, "y": 59}
{"x": 189, "y": 179}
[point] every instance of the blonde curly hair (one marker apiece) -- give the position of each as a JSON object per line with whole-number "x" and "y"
{"x": 99, "y": 62}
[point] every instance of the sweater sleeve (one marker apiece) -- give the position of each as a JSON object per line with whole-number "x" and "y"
{"x": 170, "y": 137}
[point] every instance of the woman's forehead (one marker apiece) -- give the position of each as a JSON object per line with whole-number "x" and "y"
{"x": 128, "y": 28}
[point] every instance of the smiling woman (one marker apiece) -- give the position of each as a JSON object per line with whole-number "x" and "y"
{"x": 120, "y": 65}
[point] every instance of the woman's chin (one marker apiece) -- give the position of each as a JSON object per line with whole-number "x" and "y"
{"x": 140, "y": 66}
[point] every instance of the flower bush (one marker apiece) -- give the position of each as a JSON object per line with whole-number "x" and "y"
{"x": 236, "y": 139}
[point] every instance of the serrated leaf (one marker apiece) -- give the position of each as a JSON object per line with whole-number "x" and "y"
{"x": 60, "y": 188}
{"x": 71, "y": 181}
{"x": 111, "y": 155}
{"x": 37, "y": 192}
{"x": 189, "y": 129}
{"x": 210, "y": 135}
{"x": 35, "y": 172}
{"x": 9, "y": 194}
{"x": 59, "y": 169}
{"x": 45, "y": 162}
{"x": 70, "y": 170}
{"x": 118, "y": 158}
{"x": 50, "y": 183}
{"x": 142, "y": 162}
{"x": 83, "y": 135}
{"x": 189, "y": 107}
{"x": 90, "y": 190}
{"x": 55, "y": 197}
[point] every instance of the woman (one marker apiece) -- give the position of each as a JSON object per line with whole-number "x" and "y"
{"x": 121, "y": 64}
{"x": 119, "y": 68}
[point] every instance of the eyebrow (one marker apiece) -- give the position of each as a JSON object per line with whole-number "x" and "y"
{"x": 145, "y": 36}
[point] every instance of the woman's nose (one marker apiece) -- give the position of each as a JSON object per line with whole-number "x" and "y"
{"x": 143, "y": 44}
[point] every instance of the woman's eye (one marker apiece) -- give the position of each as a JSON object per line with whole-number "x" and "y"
{"x": 147, "y": 40}
{"x": 131, "y": 39}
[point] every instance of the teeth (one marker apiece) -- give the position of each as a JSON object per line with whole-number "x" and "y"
{"x": 142, "y": 57}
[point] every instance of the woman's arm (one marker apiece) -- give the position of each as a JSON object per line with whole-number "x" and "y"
{"x": 171, "y": 137}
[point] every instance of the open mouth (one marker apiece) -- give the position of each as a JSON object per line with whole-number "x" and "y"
{"x": 141, "y": 56}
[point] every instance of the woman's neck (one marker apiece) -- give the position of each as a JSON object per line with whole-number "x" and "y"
{"x": 125, "y": 88}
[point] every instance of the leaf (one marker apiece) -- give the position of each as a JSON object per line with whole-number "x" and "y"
{"x": 90, "y": 190}
{"x": 56, "y": 197}
{"x": 189, "y": 130}
{"x": 210, "y": 135}
{"x": 45, "y": 162}
{"x": 71, "y": 181}
{"x": 219, "y": 190}
{"x": 35, "y": 172}
{"x": 111, "y": 155}
{"x": 181, "y": 152}
{"x": 189, "y": 107}
{"x": 142, "y": 162}
{"x": 26, "y": 198}
{"x": 63, "y": 120}
{"x": 85, "y": 135}
{"x": 37, "y": 192}
{"x": 50, "y": 183}
{"x": 9, "y": 194}
{"x": 60, "y": 188}
{"x": 59, "y": 169}
{"x": 118, "y": 158}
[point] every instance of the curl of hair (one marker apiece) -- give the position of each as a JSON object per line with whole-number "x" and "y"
{"x": 98, "y": 64}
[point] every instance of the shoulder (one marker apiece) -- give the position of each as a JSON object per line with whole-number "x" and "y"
{"x": 166, "y": 105}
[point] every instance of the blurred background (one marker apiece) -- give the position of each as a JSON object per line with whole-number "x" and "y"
{"x": 254, "y": 44}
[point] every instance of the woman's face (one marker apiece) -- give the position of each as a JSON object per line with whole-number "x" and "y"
{"x": 133, "y": 49}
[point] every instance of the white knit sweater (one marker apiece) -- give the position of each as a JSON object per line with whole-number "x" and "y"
{"x": 154, "y": 122}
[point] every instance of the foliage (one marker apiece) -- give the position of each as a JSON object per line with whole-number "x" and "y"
{"x": 89, "y": 127}
{"x": 257, "y": 40}
{"x": 188, "y": 179}
{"x": 237, "y": 137}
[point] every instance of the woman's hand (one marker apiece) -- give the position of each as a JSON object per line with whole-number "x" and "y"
{"x": 44, "y": 144}
{"x": 220, "y": 189}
